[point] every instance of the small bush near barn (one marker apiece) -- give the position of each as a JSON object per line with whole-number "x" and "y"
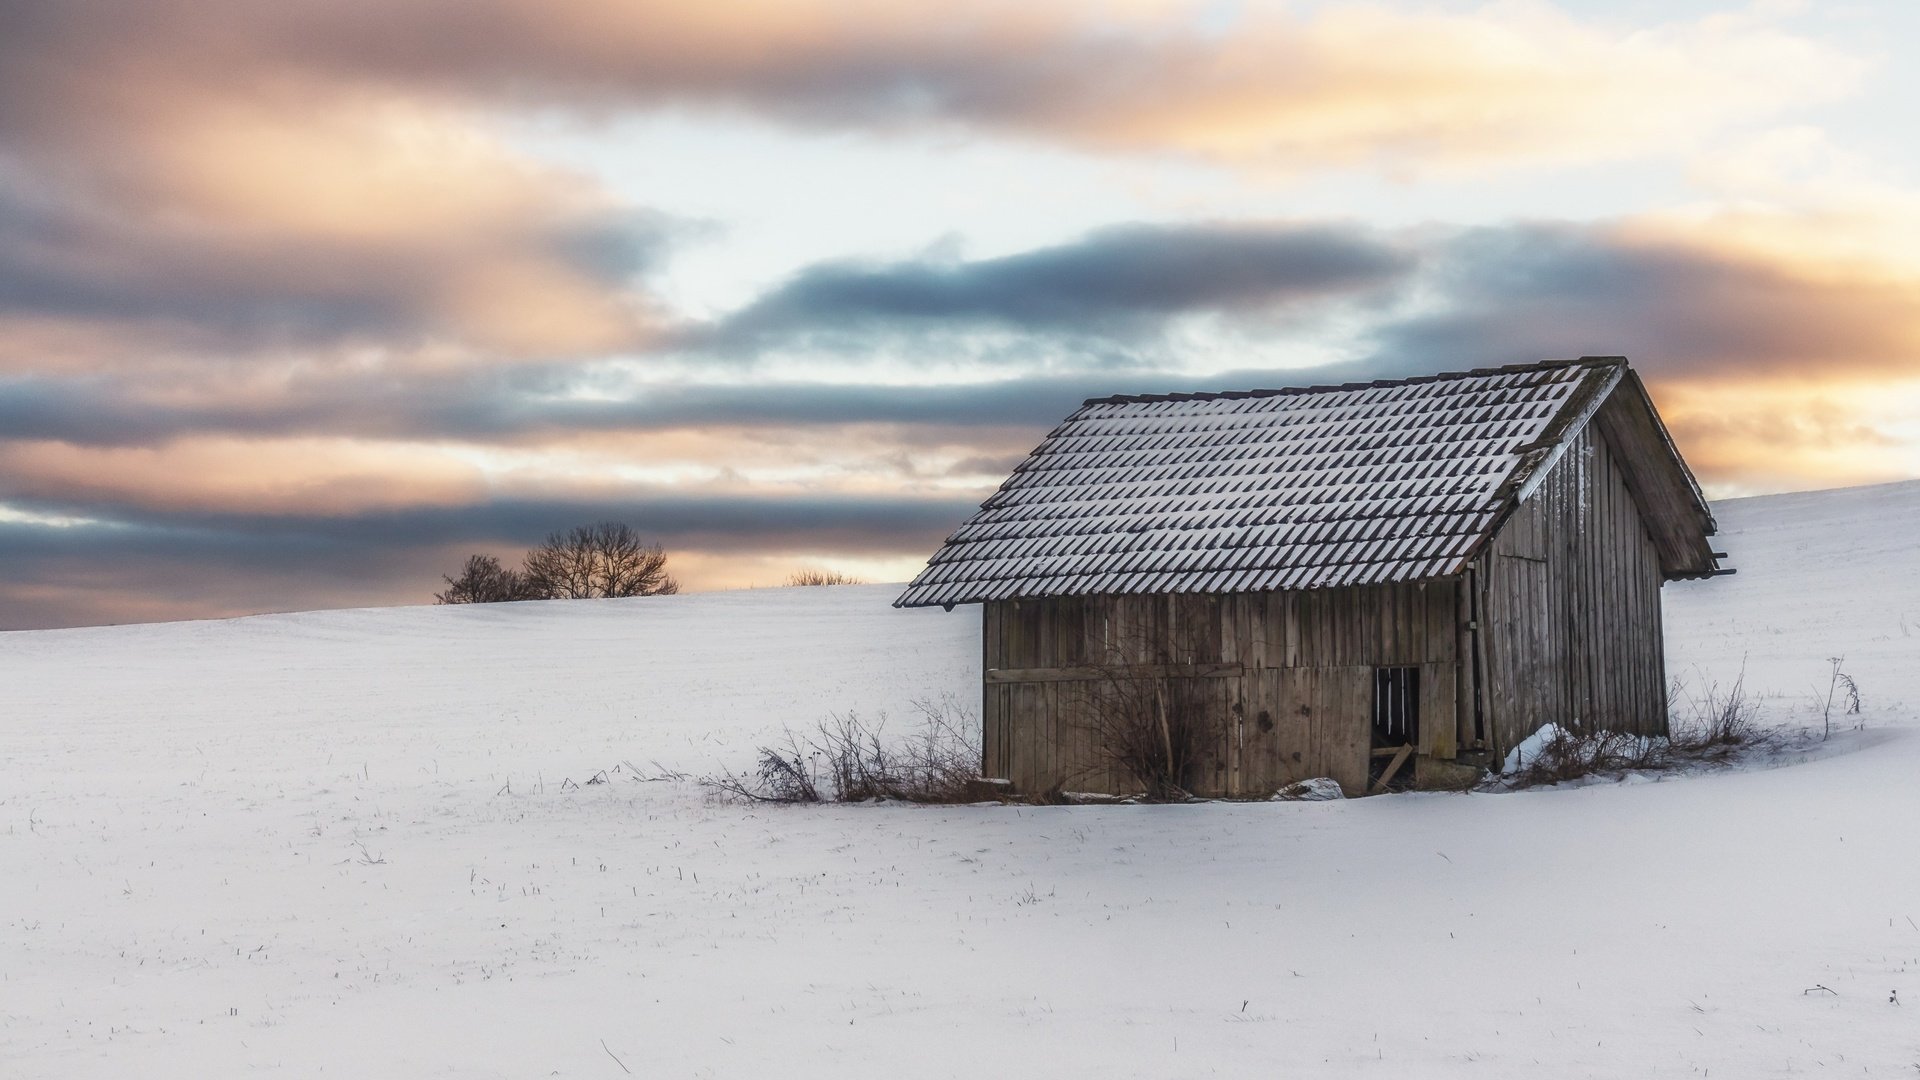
{"x": 1712, "y": 727}
{"x": 1150, "y": 727}
{"x": 847, "y": 759}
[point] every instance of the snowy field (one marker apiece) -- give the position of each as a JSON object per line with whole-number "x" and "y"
{"x": 360, "y": 843}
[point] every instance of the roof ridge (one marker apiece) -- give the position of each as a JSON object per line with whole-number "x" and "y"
{"x": 1374, "y": 384}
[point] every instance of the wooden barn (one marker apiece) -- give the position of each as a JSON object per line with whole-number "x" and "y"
{"x": 1386, "y": 583}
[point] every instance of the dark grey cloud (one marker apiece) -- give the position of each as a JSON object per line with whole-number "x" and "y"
{"x": 511, "y": 405}
{"x": 1517, "y": 293}
{"x": 723, "y": 523}
{"x": 1121, "y": 282}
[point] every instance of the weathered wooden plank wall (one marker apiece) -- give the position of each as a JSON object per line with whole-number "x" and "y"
{"x": 1298, "y": 706}
{"x": 1572, "y": 606}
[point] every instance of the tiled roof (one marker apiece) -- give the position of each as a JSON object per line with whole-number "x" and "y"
{"x": 1301, "y": 488}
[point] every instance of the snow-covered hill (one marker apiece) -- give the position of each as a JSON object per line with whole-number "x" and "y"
{"x": 353, "y": 843}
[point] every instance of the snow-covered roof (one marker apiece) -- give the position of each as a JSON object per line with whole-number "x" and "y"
{"x": 1298, "y": 488}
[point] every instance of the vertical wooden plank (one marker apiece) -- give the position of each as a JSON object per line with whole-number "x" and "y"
{"x": 1008, "y": 733}
{"x": 1438, "y": 695}
{"x": 1620, "y": 592}
{"x": 1326, "y": 628}
{"x": 1595, "y": 651}
{"x": 995, "y": 742}
{"x": 1257, "y": 625}
{"x": 1344, "y": 723}
{"x": 1306, "y": 627}
{"x": 1358, "y": 615}
{"x": 1483, "y": 674}
{"x": 1463, "y": 663}
{"x": 1256, "y": 745}
{"x": 1279, "y": 739}
{"x": 1046, "y": 735}
{"x": 1287, "y": 609}
{"x": 1054, "y": 755}
{"x": 1598, "y": 651}
{"x": 1020, "y": 738}
{"x": 1410, "y": 624}
{"x": 1222, "y": 698}
{"x": 1228, "y": 634}
{"x": 1301, "y": 726}
{"x": 1612, "y": 668}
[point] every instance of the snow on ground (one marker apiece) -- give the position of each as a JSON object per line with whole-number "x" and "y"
{"x": 350, "y": 843}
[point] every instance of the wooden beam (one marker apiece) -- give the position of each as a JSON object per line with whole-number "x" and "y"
{"x": 1393, "y": 767}
{"x": 1129, "y": 671}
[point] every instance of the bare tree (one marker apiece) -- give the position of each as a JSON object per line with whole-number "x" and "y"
{"x": 603, "y": 560}
{"x": 484, "y": 581}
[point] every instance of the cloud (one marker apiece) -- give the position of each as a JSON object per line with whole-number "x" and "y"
{"x": 1118, "y": 281}
{"x": 1682, "y": 304}
{"x": 345, "y": 482}
{"x": 302, "y": 477}
{"x": 334, "y": 232}
{"x": 1794, "y": 432}
{"x": 169, "y": 187}
{"x": 1676, "y": 304}
{"x": 222, "y": 178}
{"x": 1502, "y": 83}
{"x": 494, "y": 408}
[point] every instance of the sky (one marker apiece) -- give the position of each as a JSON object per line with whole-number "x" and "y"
{"x": 303, "y": 302}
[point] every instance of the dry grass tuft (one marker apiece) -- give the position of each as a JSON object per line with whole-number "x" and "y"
{"x": 813, "y": 576}
{"x": 846, "y": 759}
{"x": 1713, "y": 727}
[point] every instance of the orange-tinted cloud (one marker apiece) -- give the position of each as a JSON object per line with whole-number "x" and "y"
{"x": 209, "y": 176}
{"x": 1687, "y": 307}
{"x": 1354, "y": 83}
{"x": 154, "y": 202}
{"x": 1754, "y": 435}
{"x": 268, "y": 477}
{"x": 1677, "y": 302}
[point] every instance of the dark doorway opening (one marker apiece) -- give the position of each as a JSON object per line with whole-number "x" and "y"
{"x": 1396, "y": 727}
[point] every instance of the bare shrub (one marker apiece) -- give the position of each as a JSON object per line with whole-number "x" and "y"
{"x": 1148, "y": 725}
{"x": 785, "y": 774}
{"x": 813, "y": 576}
{"x": 484, "y": 581}
{"x": 1143, "y": 713}
{"x": 847, "y": 759}
{"x": 1714, "y": 724}
{"x": 1569, "y": 755}
{"x": 1712, "y": 727}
